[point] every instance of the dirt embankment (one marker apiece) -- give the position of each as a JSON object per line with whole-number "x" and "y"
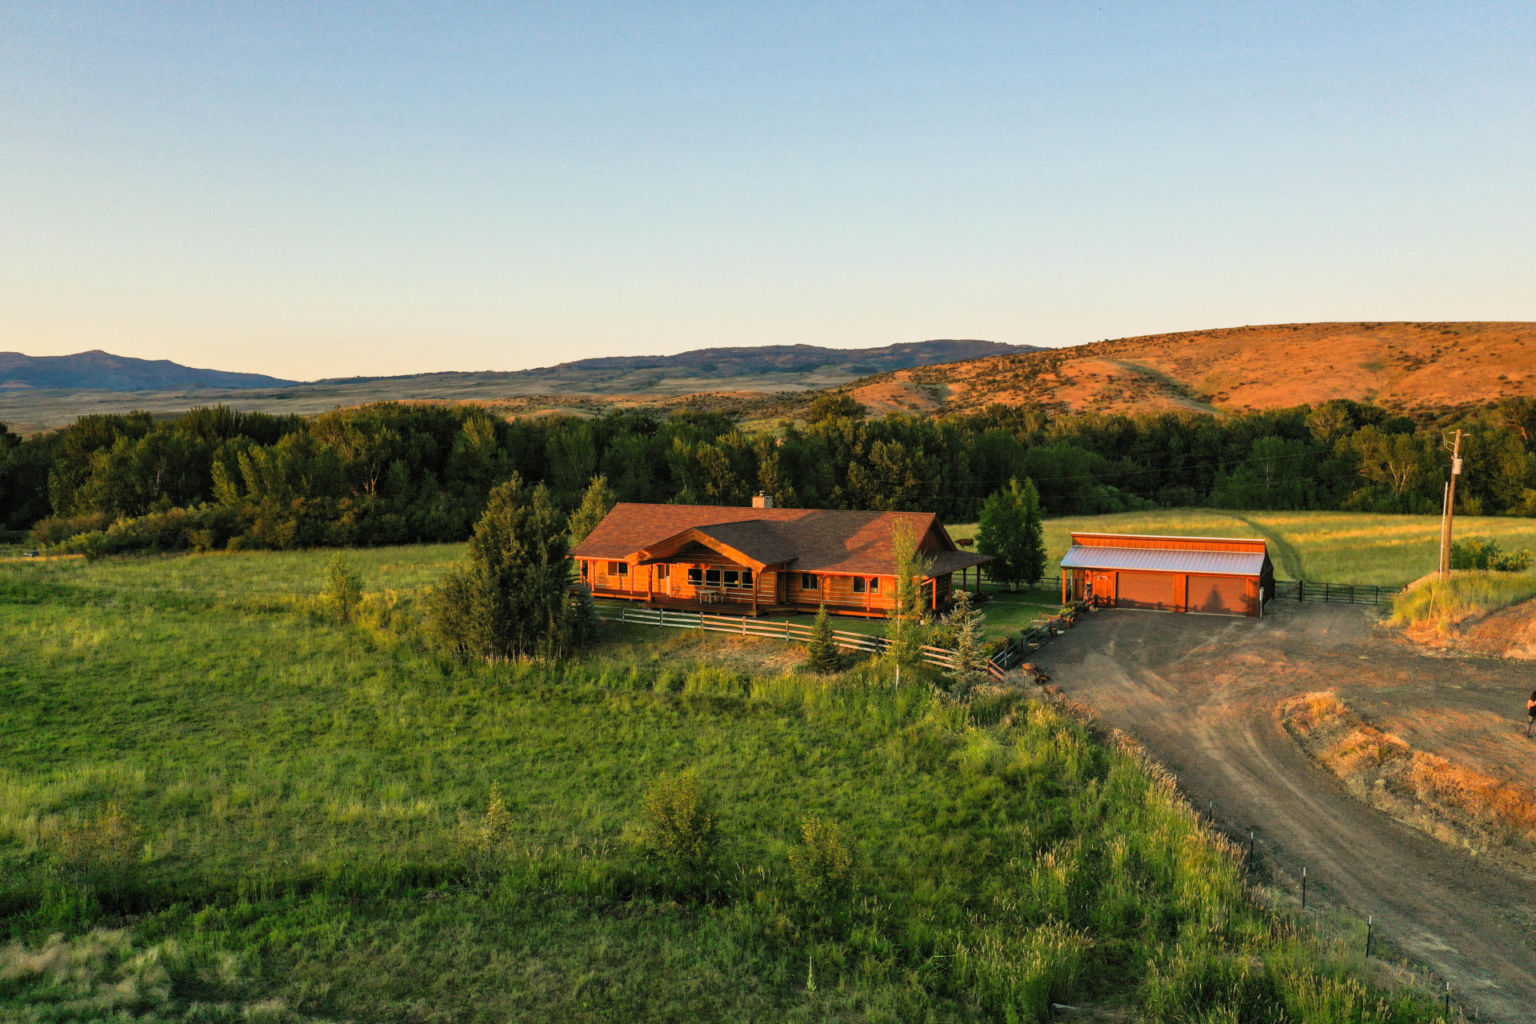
{"x": 1453, "y": 802}
{"x": 1505, "y": 633}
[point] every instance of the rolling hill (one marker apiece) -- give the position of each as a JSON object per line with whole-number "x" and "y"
{"x": 53, "y": 395}
{"x": 98, "y": 370}
{"x": 1409, "y": 367}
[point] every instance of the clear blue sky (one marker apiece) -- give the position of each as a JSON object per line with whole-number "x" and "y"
{"x": 321, "y": 189}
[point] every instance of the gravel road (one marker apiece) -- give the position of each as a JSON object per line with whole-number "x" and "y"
{"x": 1201, "y": 692}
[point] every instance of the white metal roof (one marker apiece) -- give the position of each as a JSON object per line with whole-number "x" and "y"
{"x": 1217, "y": 563}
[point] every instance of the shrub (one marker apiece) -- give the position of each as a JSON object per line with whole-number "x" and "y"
{"x": 1481, "y": 553}
{"x": 343, "y": 590}
{"x": 823, "y": 864}
{"x": 58, "y": 529}
{"x": 679, "y": 822}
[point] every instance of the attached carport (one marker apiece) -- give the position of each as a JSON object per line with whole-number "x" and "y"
{"x": 1212, "y": 575}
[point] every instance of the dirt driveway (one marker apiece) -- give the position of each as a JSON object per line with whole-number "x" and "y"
{"x": 1201, "y": 692}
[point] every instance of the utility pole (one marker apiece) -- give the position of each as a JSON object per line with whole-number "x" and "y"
{"x": 1450, "y": 508}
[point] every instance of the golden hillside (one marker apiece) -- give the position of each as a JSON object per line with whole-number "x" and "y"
{"x": 1409, "y": 367}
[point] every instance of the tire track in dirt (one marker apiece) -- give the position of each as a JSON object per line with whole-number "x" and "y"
{"x": 1201, "y": 693}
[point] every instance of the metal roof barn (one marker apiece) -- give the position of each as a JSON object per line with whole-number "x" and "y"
{"x": 1212, "y": 575}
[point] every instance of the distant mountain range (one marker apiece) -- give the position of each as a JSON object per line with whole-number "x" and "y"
{"x": 102, "y": 371}
{"x": 37, "y": 393}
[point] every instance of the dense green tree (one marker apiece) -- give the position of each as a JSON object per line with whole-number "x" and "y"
{"x": 510, "y": 597}
{"x": 1012, "y": 531}
{"x": 595, "y": 504}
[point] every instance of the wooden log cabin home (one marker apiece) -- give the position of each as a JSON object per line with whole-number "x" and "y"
{"x": 763, "y": 560}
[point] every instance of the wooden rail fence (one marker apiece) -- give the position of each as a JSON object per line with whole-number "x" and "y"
{"x": 996, "y": 666}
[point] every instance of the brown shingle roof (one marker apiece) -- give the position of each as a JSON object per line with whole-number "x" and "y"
{"x": 809, "y": 540}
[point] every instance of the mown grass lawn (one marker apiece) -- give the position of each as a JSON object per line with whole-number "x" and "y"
{"x": 225, "y": 807}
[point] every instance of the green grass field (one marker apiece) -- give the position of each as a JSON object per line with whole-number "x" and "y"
{"x": 215, "y": 805}
{"x": 1333, "y": 547}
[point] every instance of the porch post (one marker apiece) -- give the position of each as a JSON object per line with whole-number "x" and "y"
{"x": 754, "y": 595}
{"x": 935, "y": 593}
{"x": 650, "y": 578}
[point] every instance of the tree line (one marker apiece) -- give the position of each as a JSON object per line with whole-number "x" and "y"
{"x": 397, "y": 473}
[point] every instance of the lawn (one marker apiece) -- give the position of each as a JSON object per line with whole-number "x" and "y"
{"x": 1333, "y": 547}
{"x": 225, "y": 807}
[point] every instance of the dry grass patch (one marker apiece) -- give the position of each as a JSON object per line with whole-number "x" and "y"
{"x": 1454, "y": 803}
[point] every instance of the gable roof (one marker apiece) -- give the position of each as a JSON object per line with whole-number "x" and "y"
{"x": 1216, "y": 563}
{"x": 801, "y": 539}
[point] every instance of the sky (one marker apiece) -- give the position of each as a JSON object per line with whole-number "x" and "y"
{"x": 311, "y": 190}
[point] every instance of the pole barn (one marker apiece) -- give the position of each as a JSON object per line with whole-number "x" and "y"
{"x": 1211, "y": 575}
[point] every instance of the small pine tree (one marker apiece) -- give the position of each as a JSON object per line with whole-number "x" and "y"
{"x": 969, "y": 659}
{"x": 595, "y": 504}
{"x": 343, "y": 590}
{"x": 824, "y": 653}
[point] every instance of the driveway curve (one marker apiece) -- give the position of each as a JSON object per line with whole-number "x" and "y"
{"x": 1201, "y": 693}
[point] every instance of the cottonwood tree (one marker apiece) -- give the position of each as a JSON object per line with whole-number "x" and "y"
{"x": 904, "y": 629}
{"x": 509, "y": 598}
{"x": 1013, "y": 533}
{"x": 595, "y": 504}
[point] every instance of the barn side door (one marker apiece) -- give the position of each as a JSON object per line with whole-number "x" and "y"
{"x": 1103, "y": 588}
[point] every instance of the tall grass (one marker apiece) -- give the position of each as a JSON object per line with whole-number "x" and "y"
{"x": 328, "y": 821}
{"x": 1443, "y": 602}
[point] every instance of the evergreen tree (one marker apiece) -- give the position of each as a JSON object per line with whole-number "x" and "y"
{"x": 970, "y": 658}
{"x": 509, "y": 598}
{"x": 595, "y": 504}
{"x": 824, "y": 653}
{"x": 1013, "y": 533}
{"x": 904, "y": 629}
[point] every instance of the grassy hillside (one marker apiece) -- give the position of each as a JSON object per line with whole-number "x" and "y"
{"x": 1404, "y": 366}
{"x": 1335, "y": 547}
{"x": 224, "y": 807}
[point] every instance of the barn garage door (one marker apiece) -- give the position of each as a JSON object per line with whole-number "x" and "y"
{"x": 1219, "y": 595}
{"x": 1148, "y": 590}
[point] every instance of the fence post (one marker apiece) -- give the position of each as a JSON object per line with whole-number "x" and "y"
{"x": 1301, "y": 590}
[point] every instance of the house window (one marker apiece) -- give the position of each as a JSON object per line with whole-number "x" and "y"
{"x": 663, "y": 571}
{"x": 712, "y": 577}
{"x": 732, "y": 578}
{"x": 746, "y": 577}
{"x": 858, "y": 585}
{"x": 618, "y": 568}
{"x": 874, "y": 584}
{"x": 809, "y": 582}
{"x": 695, "y": 575}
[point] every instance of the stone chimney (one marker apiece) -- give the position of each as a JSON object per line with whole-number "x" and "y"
{"x": 762, "y": 500}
